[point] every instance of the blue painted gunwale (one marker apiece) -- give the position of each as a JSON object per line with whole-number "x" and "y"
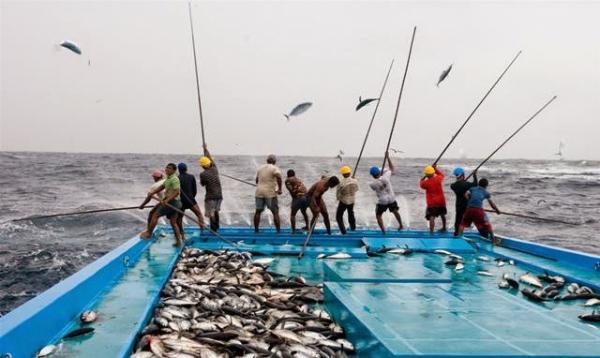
{"x": 44, "y": 318}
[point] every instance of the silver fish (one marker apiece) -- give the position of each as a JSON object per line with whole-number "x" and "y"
{"x": 442, "y": 252}
{"x": 298, "y": 110}
{"x": 592, "y": 302}
{"x": 47, "y": 350}
{"x": 339, "y": 255}
{"x": 459, "y": 267}
{"x": 531, "y": 280}
{"x": 484, "y": 273}
{"x": 88, "y": 316}
{"x": 443, "y": 76}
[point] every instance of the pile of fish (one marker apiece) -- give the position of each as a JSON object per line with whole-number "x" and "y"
{"x": 224, "y": 304}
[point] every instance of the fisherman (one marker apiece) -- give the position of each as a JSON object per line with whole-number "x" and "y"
{"x": 316, "y": 203}
{"x": 188, "y": 197}
{"x": 268, "y": 186}
{"x": 460, "y": 187}
{"x": 213, "y": 198}
{"x": 172, "y": 189}
{"x": 299, "y": 200}
{"x": 386, "y": 199}
{"x": 434, "y": 196}
{"x": 157, "y": 176}
{"x": 346, "y": 195}
{"x": 475, "y": 213}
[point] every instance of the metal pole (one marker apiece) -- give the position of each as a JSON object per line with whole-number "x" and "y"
{"x": 399, "y": 98}
{"x": 475, "y": 110}
{"x": 372, "y": 118}
{"x": 196, "y": 70}
{"x": 511, "y": 136}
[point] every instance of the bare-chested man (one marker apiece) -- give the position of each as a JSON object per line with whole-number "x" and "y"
{"x": 316, "y": 203}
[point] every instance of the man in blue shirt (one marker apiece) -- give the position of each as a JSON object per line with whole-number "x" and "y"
{"x": 475, "y": 213}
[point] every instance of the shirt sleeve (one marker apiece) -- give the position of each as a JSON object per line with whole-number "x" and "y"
{"x": 487, "y": 195}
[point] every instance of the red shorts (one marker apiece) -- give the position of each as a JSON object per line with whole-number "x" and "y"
{"x": 475, "y": 216}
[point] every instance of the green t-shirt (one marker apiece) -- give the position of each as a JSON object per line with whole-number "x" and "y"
{"x": 171, "y": 184}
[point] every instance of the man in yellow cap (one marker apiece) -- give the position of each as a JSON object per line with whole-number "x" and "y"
{"x": 346, "y": 195}
{"x": 434, "y": 196}
{"x": 209, "y": 179}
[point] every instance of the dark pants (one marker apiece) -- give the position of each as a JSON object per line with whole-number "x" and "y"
{"x": 339, "y": 216}
{"x": 460, "y": 212}
{"x": 214, "y": 221}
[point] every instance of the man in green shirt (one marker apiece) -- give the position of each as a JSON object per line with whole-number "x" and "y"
{"x": 171, "y": 187}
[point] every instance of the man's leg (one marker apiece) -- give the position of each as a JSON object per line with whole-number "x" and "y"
{"x": 214, "y": 220}
{"x": 196, "y": 210}
{"x": 179, "y": 220}
{"x": 459, "y": 215}
{"x": 274, "y": 207}
{"x": 305, "y": 215}
{"x": 351, "y": 218}
{"x": 339, "y": 217}
{"x": 151, "y": 225}
{"x": 174, "y": 225}
{"x": 293, "y": 219}
{"x": 257, "y": 219}
{"x": 444, "y": 223}
{"x": 431, "y": 224}
{"x": 398, "y": 218}
{"x": 380, "y": 222}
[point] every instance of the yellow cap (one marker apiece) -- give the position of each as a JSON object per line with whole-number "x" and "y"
{"x": 345, "y": 170}
{"x": 429, "y": 170}
{"x": 204, "y": 162}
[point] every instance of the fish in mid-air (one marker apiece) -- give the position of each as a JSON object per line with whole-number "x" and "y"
{"x": 443, "y": 76}
{"x": 340, "y": 155}
{"x": 364, "y": 102}
{"x": 298, "y": 110}
{"x": 70, "y": 45}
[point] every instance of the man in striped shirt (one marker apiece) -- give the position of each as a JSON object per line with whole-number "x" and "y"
{"x": 209, "y": 179}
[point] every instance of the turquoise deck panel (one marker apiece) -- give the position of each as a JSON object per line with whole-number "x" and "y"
{"x": 414, "y": 268}
{"x": 427, "y": 243}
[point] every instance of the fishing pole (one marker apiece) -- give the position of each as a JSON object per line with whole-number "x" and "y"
{"x": 308, "y": 236}
{"x": 399, "y": 98}
{"x": 511, "y": 136}
{"x": 475, "y": 109}
{"x": 532, "y": 217}
{"x": 196, "y": 220}
{"x": 372, "y": 118}
{"x": 80, "y": 212}
{"x": 196, "y": 70}
{"x": 236, "y": 179}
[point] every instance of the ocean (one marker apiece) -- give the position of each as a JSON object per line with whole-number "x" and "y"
{"x": 34, "y": 255}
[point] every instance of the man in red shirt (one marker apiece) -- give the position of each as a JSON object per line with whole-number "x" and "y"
{"x": 434, "y": 195}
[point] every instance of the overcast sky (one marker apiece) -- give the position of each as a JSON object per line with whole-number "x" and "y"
{"x": 257, "y": 60}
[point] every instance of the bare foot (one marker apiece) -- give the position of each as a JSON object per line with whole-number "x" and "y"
{"x": 145, "y": 235}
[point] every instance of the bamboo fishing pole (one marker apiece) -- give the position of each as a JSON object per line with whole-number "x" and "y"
{"x": 372, "y": 118}
{"x": 475, "y": 109}
{"x": 80, "y": 212}
{"x": 532, "y": 217}
{"x": 308, "y": 236}
{"x": 387, "y": 148}
{"x": 196, "y": 71}
{"x": 196, "y": 220}
{"x": 511, "y": 136}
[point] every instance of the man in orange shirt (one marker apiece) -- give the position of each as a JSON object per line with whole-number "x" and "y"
{"x": 434, "y": 195}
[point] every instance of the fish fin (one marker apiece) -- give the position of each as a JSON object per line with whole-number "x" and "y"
{"x": 359, "y": 99}
{"x": 287, "y": 117}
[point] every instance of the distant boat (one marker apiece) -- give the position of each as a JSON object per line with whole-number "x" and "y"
{"x": 561, "y": 147}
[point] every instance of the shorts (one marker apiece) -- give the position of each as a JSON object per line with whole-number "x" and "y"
{"x": 168, "y": 211}
{"x": 187, "y": 205}
{"x": 475, "y": 216}
{"x": 211, "y": 206}
{"x": 300, "y": 203}
{"x": 435, "y": 211}
{"x": 381, "y": 208}
{"x": 270, "y": 203}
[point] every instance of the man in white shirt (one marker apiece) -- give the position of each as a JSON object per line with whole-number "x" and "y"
{"x": 268, "y": 186}
{"x": 386, "y": 199}
{"x": 157, "y": 176}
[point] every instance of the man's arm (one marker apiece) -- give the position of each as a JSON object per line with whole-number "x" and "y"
{"x": 438, "y": 172}
{"x": 389, "y": 160}
{"x": 467, "y": 195}
{"x": 150, "y": 195}
{"x": 279, "y": 183}
{"x": 494, "y": 206}
{"x": 475, "y": 177}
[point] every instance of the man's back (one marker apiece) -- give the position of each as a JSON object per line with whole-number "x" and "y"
{"x": 476, "y": 197}
{"x": 346, "y": 190}
{"x": 210, "y": 179}
{"x": 460, "y": 187}
{"x": 434, "y": 191}
{"x": 295, "y": 186}
{"x": 266, "y": 186}
{"x": 188, "y": 188}
{"x": 383, "y": 188}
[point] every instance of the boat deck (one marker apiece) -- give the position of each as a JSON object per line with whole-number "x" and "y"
{"x": 390, "y": 305}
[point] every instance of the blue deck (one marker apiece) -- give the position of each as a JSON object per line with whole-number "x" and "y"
{"x": 390, "y": 305}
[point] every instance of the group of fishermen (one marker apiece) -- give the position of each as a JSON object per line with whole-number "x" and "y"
{"x": 176, "y": 194}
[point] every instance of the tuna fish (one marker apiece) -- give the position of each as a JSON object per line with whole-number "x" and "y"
{"x": 88, "y": 317}
{"x": 47, "y": 350}
{"x": 339, "y": 256}
{"x": 298, "y": 110}
{"x": 79, "y": 332}
{"x": 531, "y": 280}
